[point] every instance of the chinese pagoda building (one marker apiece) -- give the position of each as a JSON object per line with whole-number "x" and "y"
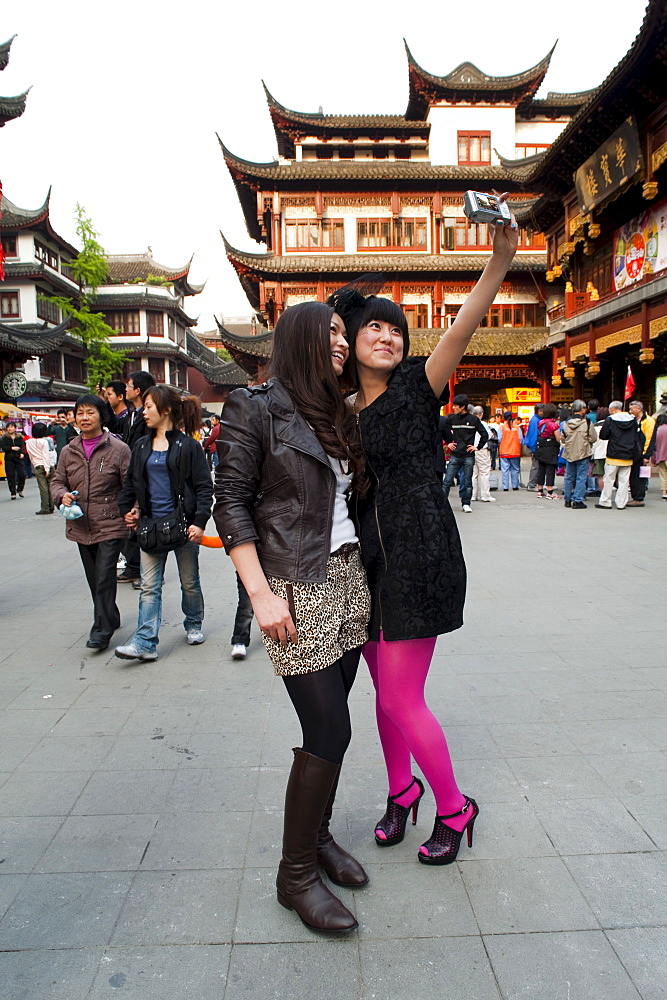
{"x": 350, "y": 194}
{"x": 146, "y": 303}
{"x": 34, "y": 335}
{"x": 607, "y": 231}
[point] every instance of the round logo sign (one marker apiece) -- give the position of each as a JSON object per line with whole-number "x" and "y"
{"x": 14, "y": 384}
{"x": 635, "y": 253}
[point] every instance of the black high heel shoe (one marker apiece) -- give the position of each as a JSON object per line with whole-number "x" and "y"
{"x": 443, "y": 844}
{"x": 394, "y": 821}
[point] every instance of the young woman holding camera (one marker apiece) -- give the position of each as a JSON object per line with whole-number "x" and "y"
{"x": 410, "y": 544}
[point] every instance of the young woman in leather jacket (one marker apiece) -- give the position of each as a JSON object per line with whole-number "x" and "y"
{"x": 288, "y": 452}
{"x": 410, "y": 546}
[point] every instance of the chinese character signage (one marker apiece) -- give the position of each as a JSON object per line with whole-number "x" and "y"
{"x": 615, "y": 163}
{"x": 640, "y": 247}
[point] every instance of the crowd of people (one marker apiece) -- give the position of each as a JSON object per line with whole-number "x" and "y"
{"x": 595, "y": 449}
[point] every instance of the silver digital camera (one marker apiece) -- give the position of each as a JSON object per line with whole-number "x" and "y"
{"x": 480, "y": 207}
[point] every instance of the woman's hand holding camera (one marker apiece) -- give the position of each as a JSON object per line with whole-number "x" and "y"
{"x": 505, "y": 238}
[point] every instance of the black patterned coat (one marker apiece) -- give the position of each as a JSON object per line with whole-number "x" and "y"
{"x": 410, "y": 543}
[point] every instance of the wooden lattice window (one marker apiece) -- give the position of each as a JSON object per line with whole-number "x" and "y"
{"x": 474, "y": 148}
{"x": 10, "y": 307}
{"x": 311, "y": 234}
{"x": 391, "y": 234}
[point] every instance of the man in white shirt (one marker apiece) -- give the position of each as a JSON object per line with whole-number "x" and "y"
{"x": 482, "y": 469}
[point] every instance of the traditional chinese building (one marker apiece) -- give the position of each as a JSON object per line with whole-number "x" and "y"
{"x": 145, "y": 303}
{"x": 384, "y": 193}
{"x": 33, "y": 335}
{"x": 607, "y": 232}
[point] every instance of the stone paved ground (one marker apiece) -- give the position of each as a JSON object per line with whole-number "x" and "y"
{"x": 140, "y": 804}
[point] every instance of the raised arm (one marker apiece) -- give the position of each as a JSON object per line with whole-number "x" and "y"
{"x": 452, "y": 345}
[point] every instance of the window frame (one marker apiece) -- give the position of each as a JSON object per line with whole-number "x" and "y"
{"x": 334, "y": 226}
{"x": 46, "y": 256}
{"x": 9, "y": 293}
{"x": 6, "y": 252}
{"x": 467, "y": 135}
{"x": 392, "y": 226}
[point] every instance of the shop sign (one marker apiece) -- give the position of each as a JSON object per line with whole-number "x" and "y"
{"x": 523, "y": 395}
{"x": 14, "y": 384}
{"x": 640, "y": 247}
{"x": 616, "y": 162}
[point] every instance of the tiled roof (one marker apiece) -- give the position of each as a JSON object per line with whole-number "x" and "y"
{"x": 12, "y": 107}
{"x": 268, "y": 263}
{"x": 470, "y": 84}
{"x": 125, "y": 268}
{"x": 4, "y": 52}
{"x": 229, "y": 374}
{"x": 485, "y": 342}
{"x": 295, "y": 125}
{"x": 258, "y": 346}
{"x": 38, "y": 269}
{"x": 14, "y": 217}
{"x": 361, "y": 170}
{"x": 33, "y": 338}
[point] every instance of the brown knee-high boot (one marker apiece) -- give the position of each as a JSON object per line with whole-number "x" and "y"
{"x": 340, "y": 866}
{"x": 299, "y": 884}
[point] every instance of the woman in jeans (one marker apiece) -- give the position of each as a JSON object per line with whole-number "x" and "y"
{"x": 43, "y": 458}
{"x": 546, "y": 451}
{"x": 167, "y": 463}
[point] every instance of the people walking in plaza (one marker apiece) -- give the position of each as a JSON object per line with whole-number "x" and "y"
{"x": 62, "y": 430}
{"x": 167, "y": 479}
{"x": 657, "y": 450}
{"x": 43, "y": 459}
{"x": 530, "y": 440}
{"x": 510, "y": 451}
{"x": 638, "y": 480}
{"x": 546, "y": 451}
{"x": 13, "y": 447}
{"x": 134, "y": 428}
{"x": 625, "y": 442}
{"x": 94, "y": 464}
{"x": 459, "y": 430}
{"x": 411, "y": 547}
{"x": 114, "y": 394}
{"x": 288, "y": 454}
{"x": 578, "y": 438}
{"x": 481, "y": 487}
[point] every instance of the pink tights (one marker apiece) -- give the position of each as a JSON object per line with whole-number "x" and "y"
{"x": 407, "y": 726}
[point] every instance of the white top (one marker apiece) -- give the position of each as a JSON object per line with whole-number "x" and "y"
{"x": 342, "y": 526}
{"x": 40, "y": 453}
{"x": 600, "y": 447}
{"x": 487, "y": 428}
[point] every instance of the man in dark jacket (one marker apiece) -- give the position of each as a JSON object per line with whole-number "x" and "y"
{"x": 135, "y": 428}
{"x": 458, "y": 430}
{"x": 626, "y": 442}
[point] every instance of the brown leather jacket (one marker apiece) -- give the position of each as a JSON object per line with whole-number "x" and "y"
{"x": 98, "y": 482}
{"x": 274, "y": 485}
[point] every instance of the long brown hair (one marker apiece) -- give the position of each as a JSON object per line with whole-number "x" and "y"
{"x": 301, "y": 362}
{"x": 185, "y": 412}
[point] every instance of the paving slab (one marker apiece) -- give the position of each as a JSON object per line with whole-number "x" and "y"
{"x": 643, "y": 953}
{"x": 163, "y": 973}
{"x": 562, "y": 966}
{"x": 49, "y": 975}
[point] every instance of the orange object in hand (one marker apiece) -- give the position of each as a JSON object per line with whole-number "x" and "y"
{"x": 212, "y": 541}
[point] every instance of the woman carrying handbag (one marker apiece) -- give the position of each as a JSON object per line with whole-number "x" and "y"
{"x": 167, "y": 499}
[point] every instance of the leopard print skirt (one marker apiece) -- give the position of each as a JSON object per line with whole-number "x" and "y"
{"x": 331, "y": 617}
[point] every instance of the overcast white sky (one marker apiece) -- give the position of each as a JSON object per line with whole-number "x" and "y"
{"x": 127, "y": 98}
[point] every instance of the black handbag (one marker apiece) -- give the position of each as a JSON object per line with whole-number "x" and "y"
{"x": 170, "y": 531}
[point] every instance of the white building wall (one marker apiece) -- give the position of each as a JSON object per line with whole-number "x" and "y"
{"x": 535, "y": 132}
{"x": 446, "y": 121}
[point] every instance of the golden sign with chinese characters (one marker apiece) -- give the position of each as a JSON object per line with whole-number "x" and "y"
{"x": 615, "y": 163}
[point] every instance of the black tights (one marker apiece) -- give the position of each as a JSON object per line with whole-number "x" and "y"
{"x": 320, "y": 701}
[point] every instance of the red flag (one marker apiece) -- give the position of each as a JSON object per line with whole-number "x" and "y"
{"x": 630, "y": 384}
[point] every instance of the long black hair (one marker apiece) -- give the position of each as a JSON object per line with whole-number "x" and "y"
{"x": 301, "y": 362}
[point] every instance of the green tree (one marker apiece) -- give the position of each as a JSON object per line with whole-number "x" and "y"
{"x": 89, "y": 268}
{"x": 223, "y": 353}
